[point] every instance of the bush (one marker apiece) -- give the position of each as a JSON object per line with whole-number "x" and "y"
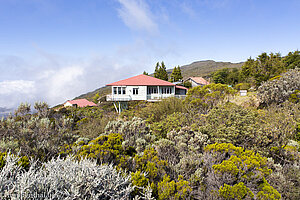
{"x": 64, "y": 179}
{"x": 236, "y": 172}
{"x": 105, "y": 149}
{"x": 202, "y": 99}
{"x": 279, "y": 90}
{"x": 168, "y": 189}
{"x": 242, "y": 86}
{"x": 171, "y": 122}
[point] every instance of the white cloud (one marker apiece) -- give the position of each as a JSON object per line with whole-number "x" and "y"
{"x": 137, "y": 15}
{"x": 16, "y": 91}
{"x": 16, "y": 86}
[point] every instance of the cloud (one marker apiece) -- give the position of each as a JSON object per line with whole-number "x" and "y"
{"x": 59, "y": 78}
{"x": 137, "y": 15}
{"x": 20, "y": 86}
{"x": 15, "y": 90}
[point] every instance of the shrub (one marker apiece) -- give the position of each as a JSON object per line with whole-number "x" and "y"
{"x": 279, "y": 90}
{"x": 205, "y": 98}
{"x": 105, "y": 149}
{"x": 242, "y": 86}
{"x": 168, "y": 189}
{"x": 228, "y": 164}
{"x": 171, "y": 122}
{"x": 135, "y": 132}
{"x": 64, "y": 179}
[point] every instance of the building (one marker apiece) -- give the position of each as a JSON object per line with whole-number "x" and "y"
{"x": 196, "y": 81}
{"x": 144, "y": 87}
{"x": 79, "y": 103}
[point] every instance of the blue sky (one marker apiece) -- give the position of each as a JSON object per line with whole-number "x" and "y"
{"x": 54, "y": 50}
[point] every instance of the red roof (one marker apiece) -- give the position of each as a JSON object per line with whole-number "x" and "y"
{"x": 199, "y": 80}
{"x": 142, "y": 80}
{"x": 181, "y": 87}
{"x": 81, "y": 102}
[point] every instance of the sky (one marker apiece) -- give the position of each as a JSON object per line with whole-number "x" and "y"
{"x": 55, "y": 50}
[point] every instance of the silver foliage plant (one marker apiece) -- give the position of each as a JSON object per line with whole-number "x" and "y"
{"x": 279, "y": 90}
{"x": 135, "y": 133}
{"x": 64, "y": 179}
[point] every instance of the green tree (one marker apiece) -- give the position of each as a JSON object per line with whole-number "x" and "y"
{"x": 263, "y": 68}
{"x": 156, "y": 72}
{"x": 163, "y": 72}
{"x": 176, "y": 74}
{"x": 292, "y": 60}
{"x": 145, "y": 73}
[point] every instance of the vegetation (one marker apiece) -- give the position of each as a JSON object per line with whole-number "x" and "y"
{"x": 203, "y": 147}
{"x": 176, "y": 74}
{"x": 161, "y": 71}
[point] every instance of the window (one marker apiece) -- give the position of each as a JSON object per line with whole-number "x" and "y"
{"x": 166, "y": 90}
{"x": 152, "y": 90}
{"x": 119, "y": 90}
{"x": 135, "y": 91}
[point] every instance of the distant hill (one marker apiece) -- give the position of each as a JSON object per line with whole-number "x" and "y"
{"x": 198, "y": 68}
{"x": 103, "y": 91}
{"x": 205, "y": 68}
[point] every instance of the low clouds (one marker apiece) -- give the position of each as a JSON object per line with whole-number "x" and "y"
{"x": 58, "y": 79}
{"x": 137, "y": 15}
{"x": 17, "y": 86}
{"x": 14, "y": 91}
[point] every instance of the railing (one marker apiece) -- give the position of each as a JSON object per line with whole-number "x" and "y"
{"x": 118, "y": 98}
{"x": 150, "y": 97}
{"x": 163, "y": 96}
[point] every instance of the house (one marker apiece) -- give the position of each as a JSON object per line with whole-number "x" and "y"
{"x": 196, "y": 81}
{"x": 79, "y": 103}
{"x": 144, "y": 87}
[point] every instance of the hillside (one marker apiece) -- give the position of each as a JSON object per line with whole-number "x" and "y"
{"x": 198, "y": 68}
{"x": 204, "y": 68}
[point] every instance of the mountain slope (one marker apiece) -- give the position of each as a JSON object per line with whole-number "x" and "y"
{"x": 204, "y": 68}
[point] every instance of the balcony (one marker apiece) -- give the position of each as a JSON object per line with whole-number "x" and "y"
{"x": 149, "y": 97}
{"x": 157, "y": 97}
{"x": 118, "y": 98}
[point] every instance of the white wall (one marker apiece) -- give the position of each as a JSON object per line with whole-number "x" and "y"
{"x": 142, "y": 93}
{"x": 68, "y": 104}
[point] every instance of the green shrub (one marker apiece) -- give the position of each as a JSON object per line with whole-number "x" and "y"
{"x": 231, "y": 165}
{"x": 238, "y": 191}
{"x": 204, "y": 98}
{"x": 168, "y": 189}
{"x": 242, "y": 86}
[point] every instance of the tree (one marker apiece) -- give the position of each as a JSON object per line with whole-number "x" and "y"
{"x": 160, "y": 71}
{"x": 263, "y": 68}
{"x": 145, "y": 73}
{"x": 292, "y": 60}
{"x": 176, "y": 74}
{"x": 156, "y": 72}
{"x": 163, "y": 72}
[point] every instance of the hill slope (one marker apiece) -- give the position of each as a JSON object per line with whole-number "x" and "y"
{"x": 199, "y": 68}
{"x": 204, "y": 68}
